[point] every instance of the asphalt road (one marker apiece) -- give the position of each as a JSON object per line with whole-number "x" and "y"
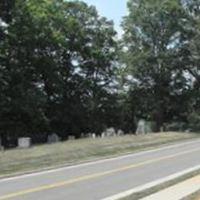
{"x": 98, "y": 180}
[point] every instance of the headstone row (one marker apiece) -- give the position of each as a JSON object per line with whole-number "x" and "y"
{"x": 26, "y": 142}
{"x": 110, "y": 132}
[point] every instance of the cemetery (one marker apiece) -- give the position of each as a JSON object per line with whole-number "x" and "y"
{"x": 17, "y": 160}
{"x": 143, "y": 127}
{"x": 84, "y": 80}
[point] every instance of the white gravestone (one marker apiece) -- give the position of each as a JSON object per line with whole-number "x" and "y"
{"x": 144, "y": 127}
{"x": 141, "y": 127}
{"x": 103, "y": 135}
{"x": 24, "y": 142}
{"x": 71, "y": 137}
{"x": 110, "y": 132}
{"x": 120, "y": 133}
{"x": 53, "y": 138}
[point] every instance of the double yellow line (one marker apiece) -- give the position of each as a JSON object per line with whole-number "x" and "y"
{"x": 92, "y": 176}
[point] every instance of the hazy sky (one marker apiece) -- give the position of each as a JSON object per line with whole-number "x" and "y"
{"x": 112, "y": 9}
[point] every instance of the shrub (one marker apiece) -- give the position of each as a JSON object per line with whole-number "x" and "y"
{"x": 194, "y": 121}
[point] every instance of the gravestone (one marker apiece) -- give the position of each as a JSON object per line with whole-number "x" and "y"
{"x": 24, "y": 142}
{"x": 82, "y": 135}
{"x": 149, "y": 126}
{"x": 143, "y": 127}
{"x": 93, "y": 135}
{"x": 71, "y": 137}
{"x": 120, "y": 132}
{"x": 89, "y": 135}
{"x": 53, "y": 138}
{"x": 110, "y": 132}
{"x": 1, "y": 146}
{"x": 188, "y": 131}
{"x": 103, "y": 135}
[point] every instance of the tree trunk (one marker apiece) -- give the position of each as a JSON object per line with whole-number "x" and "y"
{"x": 159, "y": 118}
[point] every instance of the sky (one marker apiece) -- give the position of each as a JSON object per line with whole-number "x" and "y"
{"x": 112, "y": 9}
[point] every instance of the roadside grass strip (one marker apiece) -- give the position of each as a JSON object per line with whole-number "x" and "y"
{"x": 158, "y": 185}
{"x": 46, "y": 157}
{"x": 178, "y": 191}
{"x": 194, "y": 196}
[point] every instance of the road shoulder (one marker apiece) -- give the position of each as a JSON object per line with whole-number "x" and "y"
{"x": 178, "y": 191}
{"x": 156, "y": 186}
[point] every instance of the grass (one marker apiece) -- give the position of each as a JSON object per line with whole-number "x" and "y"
{"x": 145, "y": 193}
{"x": 19, "y": 161}
{"x": 195, "y": 196}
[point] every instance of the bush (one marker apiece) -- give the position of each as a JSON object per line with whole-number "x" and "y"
{"x": 194, "y": 121}
{"x": 176, "y": 126}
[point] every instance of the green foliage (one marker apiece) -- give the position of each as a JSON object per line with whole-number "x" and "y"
{"x": 58, "y": 63}
{"x": 194, "y": 121}
{"x": 157, "y": 35}
{"x": 63, "y": 70}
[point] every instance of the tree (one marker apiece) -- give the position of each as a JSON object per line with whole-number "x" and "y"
{"x": 58, "y": 65}
{"x": 151, "y": 39}
{"x": 187, "y": 60}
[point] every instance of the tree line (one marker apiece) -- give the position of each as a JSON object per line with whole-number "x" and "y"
{"x": 64, "y": 70}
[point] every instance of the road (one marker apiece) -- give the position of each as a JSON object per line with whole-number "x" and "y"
{"x": 101, "y": 179}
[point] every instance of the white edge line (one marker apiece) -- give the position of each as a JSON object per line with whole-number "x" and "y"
{"x": 151, "y": 184}
{"x": 48, "y": 171}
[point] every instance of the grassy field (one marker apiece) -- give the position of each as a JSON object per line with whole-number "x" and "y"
{"x": 71, "y": 152}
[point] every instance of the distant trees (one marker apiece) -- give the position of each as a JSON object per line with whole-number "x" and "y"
{"x": 58, "y": 60}
{"x": 160, "y": 56}
{"x": 63, "y": 70}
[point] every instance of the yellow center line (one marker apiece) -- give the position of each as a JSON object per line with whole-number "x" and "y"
{"x": 92, "y": 176}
